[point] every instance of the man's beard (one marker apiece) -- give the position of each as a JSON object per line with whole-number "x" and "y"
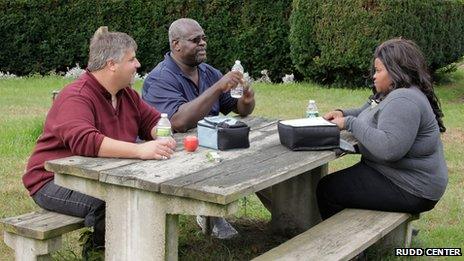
{"x": 199, "y": 58}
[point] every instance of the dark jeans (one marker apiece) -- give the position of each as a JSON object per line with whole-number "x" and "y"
{"x": 361, "y": 186}
{"x": 65, "y": 201}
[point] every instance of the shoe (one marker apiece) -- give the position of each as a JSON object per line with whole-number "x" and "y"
{"x": 201, "y": 221}
{"x": 221, "y": 228}
{"x": 415, "y": 232}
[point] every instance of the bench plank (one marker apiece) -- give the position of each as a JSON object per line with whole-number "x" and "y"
{"x": 42, "y": 224}
{"x": 340, "y": 237}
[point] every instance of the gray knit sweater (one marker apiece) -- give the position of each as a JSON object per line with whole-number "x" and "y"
{"x": 400, "y": 138}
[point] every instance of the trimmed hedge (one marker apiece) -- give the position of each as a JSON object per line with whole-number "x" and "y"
{"x": 333, "y": 41}
{"x": 39, "y": 36}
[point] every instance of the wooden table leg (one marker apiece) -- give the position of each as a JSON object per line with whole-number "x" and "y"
{"x": 294, "y": 204}
{"x": 136, "y": 226}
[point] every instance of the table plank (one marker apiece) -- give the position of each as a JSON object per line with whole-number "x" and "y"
{"x": 236, "y": 178}
{"x": 242, "y": 171}
{"x": 150, "y": 174}
{"x": 84, "y": 166}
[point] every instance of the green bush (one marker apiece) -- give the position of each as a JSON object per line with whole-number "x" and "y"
{"x": 333, "y": 41}
{"x": 39, "y": 36}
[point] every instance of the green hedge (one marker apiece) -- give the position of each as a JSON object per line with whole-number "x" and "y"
{"x": 333, "y": 41}
{"x": 39, "y": 36}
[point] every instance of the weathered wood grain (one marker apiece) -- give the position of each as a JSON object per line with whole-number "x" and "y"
{"x": 150, "y": 174}
{"x": 241, "y": 172}
{"x": 84, "y": 166}
{"x": 340, "y": 237}
{"x": 246, "y": 174}
{"x": 42, "y": 224}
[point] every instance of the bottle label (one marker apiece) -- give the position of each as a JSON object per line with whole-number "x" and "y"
{"x": 163, "y": 132}
{"x": 312, "y": 114}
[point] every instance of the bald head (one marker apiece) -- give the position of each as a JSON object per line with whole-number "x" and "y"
{"x": 180, "y": 28}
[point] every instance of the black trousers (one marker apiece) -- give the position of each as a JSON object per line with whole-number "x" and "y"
{"x": 361, "y": 186}
{"x": 65, "y": 201}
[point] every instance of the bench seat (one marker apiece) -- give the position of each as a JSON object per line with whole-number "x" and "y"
{"x": 345, "y": 235}
{"x": 34, "y": 235}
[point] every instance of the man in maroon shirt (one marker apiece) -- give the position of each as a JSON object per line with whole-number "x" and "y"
{"x": 98, "y": 115}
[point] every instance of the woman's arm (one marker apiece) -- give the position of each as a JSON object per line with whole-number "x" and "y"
{"x": 355, "y": 112}
{"x": 397, "y": 126}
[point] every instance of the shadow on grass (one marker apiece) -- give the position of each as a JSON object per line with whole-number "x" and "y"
{"x": 255, "y": 237}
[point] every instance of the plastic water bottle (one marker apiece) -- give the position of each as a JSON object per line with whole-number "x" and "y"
{"x": 237, "y": 92}
{"x": 311, "y": 110}
{"x": 163, "y": 128}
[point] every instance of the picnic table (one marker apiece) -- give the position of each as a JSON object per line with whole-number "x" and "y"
{"x": 144, "y": 197}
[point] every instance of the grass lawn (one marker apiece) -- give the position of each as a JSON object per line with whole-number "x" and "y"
{"x": 24, "y": 104}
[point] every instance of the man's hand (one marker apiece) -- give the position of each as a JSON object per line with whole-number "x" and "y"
{"x": 333, "y": 115}
{"x": 188, "y": 114}
{"x": 229, "y": 81}
{"x": 248, "y": 94}
{"x": 156, "y": 149}
{"x": 246, "y": 103}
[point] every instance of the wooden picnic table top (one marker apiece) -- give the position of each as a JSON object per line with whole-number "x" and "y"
{"x": 191, "y": 174}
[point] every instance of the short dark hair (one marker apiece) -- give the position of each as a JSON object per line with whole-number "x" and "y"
{"x": 407, "y": 67}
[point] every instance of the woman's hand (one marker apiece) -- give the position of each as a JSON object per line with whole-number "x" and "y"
{"x": 340, "y": 121}
{"x": 159, "y": 149}
{"x": 333, "y": 115}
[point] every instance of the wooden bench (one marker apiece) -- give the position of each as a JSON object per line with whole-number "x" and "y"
{"x": 345, "y": 235}
{"x": 35, "y": 235}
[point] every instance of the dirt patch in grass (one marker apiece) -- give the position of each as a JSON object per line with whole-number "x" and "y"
{"x": 255, "y": 238}
{"x": 453, "y": 135}
{"x": 13, "y": 111}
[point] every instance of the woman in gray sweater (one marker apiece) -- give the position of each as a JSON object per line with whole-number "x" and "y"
{"x": 402, "y": 167}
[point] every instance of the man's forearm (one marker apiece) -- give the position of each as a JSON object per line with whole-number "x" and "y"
{"x": 111, "y": 148}
{"x": 191, "y": 112}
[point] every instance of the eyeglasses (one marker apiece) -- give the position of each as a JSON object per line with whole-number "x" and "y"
{"x": 198, "y": 39}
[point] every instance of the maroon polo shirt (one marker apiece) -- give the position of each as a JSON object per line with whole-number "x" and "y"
{"x": 79, "y": 119}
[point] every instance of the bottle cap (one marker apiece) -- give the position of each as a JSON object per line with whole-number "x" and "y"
{"x": 237, "y": 62}
{"x": 312, "y": 101}
{"x": 164, "y": 115}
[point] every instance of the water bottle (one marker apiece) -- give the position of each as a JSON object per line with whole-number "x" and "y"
{"x": 237, "y": 92}
{"x": 163, "y": 128}
{"x": 311, "y": 110}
